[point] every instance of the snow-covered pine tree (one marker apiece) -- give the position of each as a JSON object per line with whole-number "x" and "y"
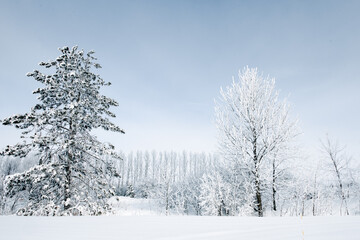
{"x": 72, "y": 175}
{"x": 130, "y": 191}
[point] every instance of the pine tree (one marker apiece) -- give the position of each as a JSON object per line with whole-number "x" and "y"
{"x": 130, "y": 191}
{"x": 72, "y": 175}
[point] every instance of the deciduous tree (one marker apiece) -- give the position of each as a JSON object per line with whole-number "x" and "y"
{"x": 253, "y": 125}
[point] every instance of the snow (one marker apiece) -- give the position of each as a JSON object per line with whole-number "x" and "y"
{"x": 125, "y": 206}
{"x": 179, "y": 227}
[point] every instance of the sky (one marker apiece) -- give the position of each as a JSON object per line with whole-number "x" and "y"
{"x": 167, "y": 60}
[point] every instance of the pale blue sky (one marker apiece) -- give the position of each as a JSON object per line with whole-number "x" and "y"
{"x": 168, "y": 59}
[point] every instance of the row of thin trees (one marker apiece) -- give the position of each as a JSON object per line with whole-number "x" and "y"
{"x": 203, "y": 184}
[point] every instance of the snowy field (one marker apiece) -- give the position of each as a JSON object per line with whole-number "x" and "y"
{"x": 178, "y": 227}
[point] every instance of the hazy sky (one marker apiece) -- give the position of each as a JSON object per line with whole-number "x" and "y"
{"x": 168, "y": 59}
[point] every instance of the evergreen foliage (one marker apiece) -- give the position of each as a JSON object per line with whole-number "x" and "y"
{"x": 72, "y": 177}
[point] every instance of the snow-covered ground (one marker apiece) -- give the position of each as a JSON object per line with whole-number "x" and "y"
{"x": 144, "y": 219}
{"x": 178, "y": 227}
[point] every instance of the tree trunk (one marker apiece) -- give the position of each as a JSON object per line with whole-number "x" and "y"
{"x": 258, "y": 198}
{"x": 314, "y": 197}
{"x": 343, "y": 197}
{"x": 69, "y": 161}
{"x": 303, "y": 207}
{"x": 67, "y": 190}
{"x": 273, "y": 186}
{"x": 259, "y": 207}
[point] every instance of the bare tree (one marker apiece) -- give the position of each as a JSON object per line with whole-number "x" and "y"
{"x": 339, "y": 166}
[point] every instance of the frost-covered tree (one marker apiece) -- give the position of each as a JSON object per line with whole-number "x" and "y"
{"x": 282, "y": 175}
{"x": 213, "y": 195}
{"x": 339, "y": 168}
{"x": 72, "y": 175}
{"x": 253, "y": 125}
